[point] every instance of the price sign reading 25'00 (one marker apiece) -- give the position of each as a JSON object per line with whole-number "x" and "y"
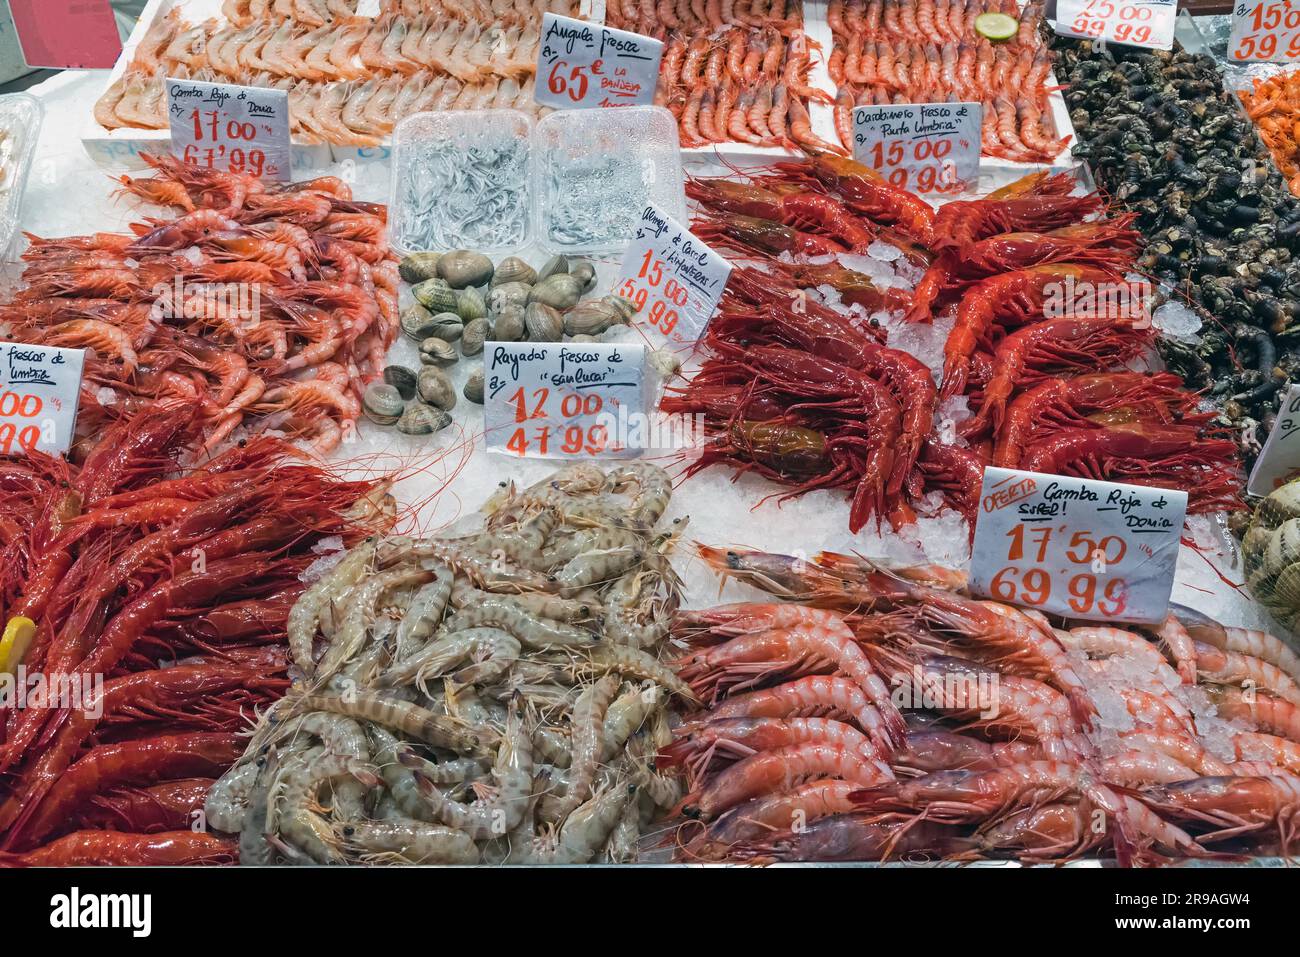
{"x": 584, "y": 65}
{"x": 674, "y": 278}
{"x": 925, "y": 147}
{"x": 1266, "y": 30}
{"x": 1077, "y": 547}
{"x": 235, "y": 129}
{"x": 1139, "y": 23}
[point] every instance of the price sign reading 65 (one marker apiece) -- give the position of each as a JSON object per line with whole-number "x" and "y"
{"x": 1076, "y": 547}
{"x": 1266, "y": 30}
{"x": 582, "y": 65}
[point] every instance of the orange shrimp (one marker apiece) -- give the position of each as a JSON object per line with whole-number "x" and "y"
{"x": 1217, "y": 666}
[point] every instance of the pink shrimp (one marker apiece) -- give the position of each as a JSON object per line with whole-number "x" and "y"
{"x": 1257, "y": 644}
{"x": 1179, "y": 645}
{"x": 1233, "y": 668}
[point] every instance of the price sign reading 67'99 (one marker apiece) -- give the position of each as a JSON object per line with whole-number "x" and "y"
{"x": 236, "y": 129}
{"x": 1077, "y": 547}
{"x": 584, "y": 65}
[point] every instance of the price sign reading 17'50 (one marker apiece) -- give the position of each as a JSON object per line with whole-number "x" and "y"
{"x": 1076, "y": 547}
{"x": 236, "y": 129}
{"x": 1265, "y": 30}
{"x": 584, "y": 65}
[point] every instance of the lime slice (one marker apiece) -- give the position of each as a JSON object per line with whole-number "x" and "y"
{"x": 997, "y": 26}
{"x": 17, "y": 636}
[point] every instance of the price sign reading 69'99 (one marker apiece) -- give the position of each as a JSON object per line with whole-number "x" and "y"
{"x": 1264, "y": 30}
{"x": 235, "y": 129}
{"x": 1077, "y": 547}
{"x": 674, "y": 279}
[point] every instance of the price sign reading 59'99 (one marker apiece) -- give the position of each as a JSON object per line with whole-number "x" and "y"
{"x": 235, "y": 129}
{"x": 583, "y": 65}
{"x": 1264, "y": 30}
{"x": 674, "y": 279}
{"x": 1077, "y": 547}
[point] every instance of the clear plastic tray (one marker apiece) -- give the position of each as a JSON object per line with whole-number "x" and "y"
{"x": 488, "y": 151}
{"x": 20, "y": 127}
{"x": 595, "y": 170}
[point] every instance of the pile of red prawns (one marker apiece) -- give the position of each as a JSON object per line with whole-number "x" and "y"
{"x": 269, "y": 306}
{"x": 811, "y": 397}
{"x": 880, "y": 717}
{"x": 161, "y": 596}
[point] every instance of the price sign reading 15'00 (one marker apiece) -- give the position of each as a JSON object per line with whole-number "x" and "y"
{"x": 236, "y": 129}
{"x": 1139, "y": 23}
{"x": 1077, "y": 547}
{"x": 1266, "y": 30}
{"x": 925, "y": 147}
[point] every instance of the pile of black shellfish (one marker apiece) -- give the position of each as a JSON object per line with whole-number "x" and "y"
{"x": 1165, "y": 139}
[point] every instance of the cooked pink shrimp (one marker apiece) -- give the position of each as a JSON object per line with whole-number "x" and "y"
{"x": 1233, "y": 668}
{"x": 1254, "y": 746}
{"x": 1100, "y": 641}
{"x": 780, "y": 770}
{"x": 1257, "y": 644}
{"x": 1133, "y": 769}
{"x": 1178, "y": 644}
{"x": 1180, "y": 747}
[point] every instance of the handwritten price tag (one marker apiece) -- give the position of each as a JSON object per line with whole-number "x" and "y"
{"x": 237, "y": 129}
{"x": 1137, "y": 23}
{"x": 1075, "y": 547}
{"x": 38, "y": 398}
{"x": 1265, "y": 31}
{"x": 925, "y": 147}
{"x": 561, "y": 400}
{"x": 584, "y": 65}
{"x": 674, "y": 279}
{"x": 1279, "y": 460}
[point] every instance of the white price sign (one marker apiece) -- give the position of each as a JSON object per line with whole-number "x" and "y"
{"x": 1136, "y": 23}
{"x": 584, "y": 65}
{"x": 555, "y": 400}
{"x": 236, "y": 129}
{"x": 924, "y": 147}
{"x": 38, "y": 401}
{"x": 672, "y": 276}
{"x": 1264, "y": 30}
{"x": 1279, "y": 460}
{"x": 1076, "y": 547}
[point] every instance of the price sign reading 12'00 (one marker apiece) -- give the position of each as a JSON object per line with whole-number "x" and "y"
{"x": 236, "y": 129}
{"x": 1264, "y": 30}
{"x": 1077, "y": 547}
{"x": 584, "y": 65}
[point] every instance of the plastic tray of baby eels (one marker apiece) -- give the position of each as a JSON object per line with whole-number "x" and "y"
{"x": 20, "y": 127}
{"x": 594, "y": 171}
{"x": 461, "y": 181}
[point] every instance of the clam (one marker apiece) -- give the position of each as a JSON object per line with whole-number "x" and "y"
{"x": 421, "y": 419}
{"x": 585, "y": 273}
{"x": 591, "y": 317}
{"x": 625, "y": 306}
{"x": 1282, "y": 503}
{"x": 1253, "y": 544}
{"x": 438, "y": 352}
{"x": 445, "y": 325}
{"x": 462, "y": 268}
{"x": 417, "y": 267}
{"x": 470, "y": 305}
{"x": 555, "y": 266}
{"x": 583, "y": 337}
{"x": 508, "y": 324}
{"x": 471, "y": 343}
{"x": 542, "y": 323}
{"x": 435, "y": 388}
{"x": 559, "y": 292}
{"x": 474, "y": 387}
{"x": 402, "y": 379}
{"x": 416, "y": 321}
{"x": 435, "y": 295}
{"x": 514, "y": 269}
{"x": 1283, "y": 548}
{"x": 382, "y": 403}
{"x": 507, "y": 294}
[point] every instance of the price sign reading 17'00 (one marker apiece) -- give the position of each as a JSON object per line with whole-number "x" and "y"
{"x": 236, "y": 129}
{"x": 1138, "y": 23}
{"x": 674, "y": 278}
{"x": 1077, "y": 547}
{"x": 1266, "y": 30}
{"x": 584, "y": 65}
{"x": 925, "y": 147}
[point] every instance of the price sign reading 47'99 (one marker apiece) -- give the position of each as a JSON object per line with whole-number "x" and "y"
{"x": 674, "y": 278}
{"x": 235, "y": 129}
{"x": 1076, "y": 547}
{"x": 584, "y": 65}
{"x": 1264, "y": 30}
{"x": 925, "y": 147}
{"x": 1137, "y": 23}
